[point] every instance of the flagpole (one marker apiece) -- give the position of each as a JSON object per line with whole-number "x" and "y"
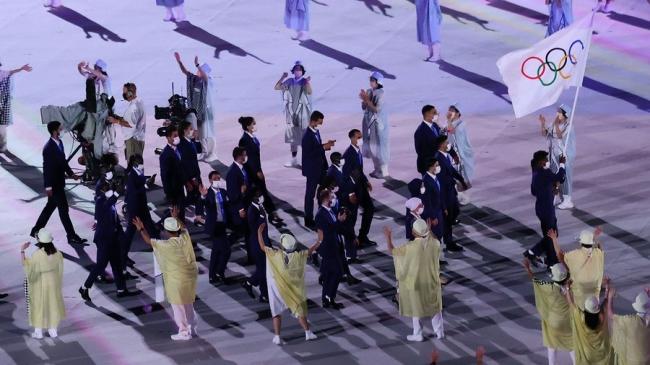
{"x": 575, "y": 98}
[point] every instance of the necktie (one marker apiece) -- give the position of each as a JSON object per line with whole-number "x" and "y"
{"x": 60, "y": 145}
{"x": 221, "y": 213}
{"x": 193, "y": 147}
{"x": 257, "y": 142}
{"x": 318, "y": 137}
{"x": 360, "y": 158}
{"x": 177, "y": 153}
{"x": 245, "y": 175}
{"x": 437, "y": 183}
{"x": 434, "y": 129}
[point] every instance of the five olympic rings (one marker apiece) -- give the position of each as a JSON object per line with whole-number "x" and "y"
{"x": 552, "y": 66}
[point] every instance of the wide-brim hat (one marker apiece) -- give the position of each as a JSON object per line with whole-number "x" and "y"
{"x": 101, "y": 64}
{"x": 288, "y": 242}
{"x": 641, "y": 303}
{"x": 420, "y": 228}
{"x": 378, "y": 76}
{"x": 592, "y": 305}
{"x": 586, "y": 238}
{"x": 171, "y": 224}
{"x": 558, "y": 272}
{"x": 413, "y": 203}
{"x": 44, "y": 236}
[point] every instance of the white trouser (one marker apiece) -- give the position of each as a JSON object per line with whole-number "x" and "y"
{"x": 436, "y": 323}
{"x": 552, "y": 356}
{"x": 184, "y": 316}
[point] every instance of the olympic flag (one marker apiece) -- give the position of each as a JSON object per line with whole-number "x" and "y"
{"x": 536, "y": 76}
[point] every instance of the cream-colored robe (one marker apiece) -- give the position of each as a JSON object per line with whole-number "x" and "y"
{"x": 178, "y": 265}
{"x": 591, "y": 347}
{"x": 44, "y": 276}
{"x": 555, "y": 312}
{"x": 290, "y": 278}
{"x": 631, "y": 340}
{"x": 586, "y": 273}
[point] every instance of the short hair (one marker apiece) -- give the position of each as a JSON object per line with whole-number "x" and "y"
{"x": 335, "y": 156}
{"x": 212, "y": 173}
{"x": 427, "y": 108}
{"x": 325, "y": 193}
{"x": 431, "y": 162}
{"x": 135, "y": 159}
{"x": 131, "y": 87}
{"x": 170, "y": 130}
{"x": 53, "y": 126}
{"x": 352, "y": 132}
{"x": 301, "y": 67}
{"x": 316, "y": 115}
{"x": 184, "y": 125}
{"x": 245, "y": 122}
{"x": 441, "y": 139}
{"x": 238, "y": 151}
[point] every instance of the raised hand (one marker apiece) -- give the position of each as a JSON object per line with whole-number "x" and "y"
{"x": 24, "y": 246}
{"x": 26, "y": 67}
{"x": 285, "y": 75}
{"x": 552, "y": 234}
{"x": 260, "y": 229}
{"x": 177, "y": 56}
{"x": 203, "y": 190}
{"x": 387, "y": 232}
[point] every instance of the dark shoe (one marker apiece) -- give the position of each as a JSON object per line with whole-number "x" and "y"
{"x": 127, "y": 293}
{"x": 454, "y": 248}
{"x": 129, "y": 276}
{"x": 217, "y": 279}
{"x": 310, "y": 224}
{"x": 264, "y": 299}
{"x": 3, "y": 295}
{"x": 336, "y": 305}
{"x": 76, "y": 240}
{"x": 365, "y": 241}
{"x": 320, "y": 280}
{"x": 443, "y": 262}
{"x": 249, "y": 288}
{"x": 314, "y": 259}
{"x": 84, "y": 294}
{"x": 395, "y": 299}
{"x": 129, "y": 262}
{"x": 456, "y": 222}
{"x": 534, "y": 260}
{"x": 354, "y": 261}
{"x": 326, "y": 303}
{"x": 352, "y": 280}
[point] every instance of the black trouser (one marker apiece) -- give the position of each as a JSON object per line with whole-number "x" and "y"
{"x": 241, "y": 231}
{"x": 331, "y": 273}
{"x": 220, "y": 250}
{"x": 269, "y": 205}
{"x": 349, "y": 236}
{"x": 545, "y": 245}
{"x": 366, "y": 216}
{"x": 178, "y": 199}
{"x": 59, "y": 201}
{"x": 127, "y": 238}
{"x": 453, "y": 209}
{"x": 194, "y": 198}
{"x": 259, "y": 276}
{"x": 344, "y": 261}
{"x": 310, "y": 195}
{"x": 108, "y": 252}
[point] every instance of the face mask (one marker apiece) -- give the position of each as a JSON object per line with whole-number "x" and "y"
{"x": 436, "y": 170}
{"x": 419, "y": 211}
{"x": 342, "y": 162}
{"x": 176, "y": 141}
{"x": 218, "y": 184}
{"x": 448, "y": 147}
{"x": 189, "y": 133}
{"x": 109, "y": 193}
{"x": 435, "y": 118}
{"x": 260, "y": 200}
{"x": 359, "y": 142}
{"x": 245, "y": 160}
{"x": 422, "y": 190}
{"x": 316, "y": 127}
{"x": 108, "y": 176}
{"x": 333, "y": 201}
{"x": 547, "y": 165}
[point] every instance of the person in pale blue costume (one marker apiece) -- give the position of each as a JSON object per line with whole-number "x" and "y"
{"x": 561, "y": 142}
{"x": 560, "y": 15}
{"x": 376, "y": 142}
{"x": 296, "y": 100}
{"x": 429, "y": 20}
{"x": 296, "y": 17}
{"x": 459, "y": 140}
{"x": 174, "y": 10}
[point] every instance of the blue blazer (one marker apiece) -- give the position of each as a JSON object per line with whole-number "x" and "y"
{"x": 55, "y": 166}
{"x": 448, "y": 176}
{"x": 172, "y": 172}
{"x": 136, "y": 194}
{"x": 330, "y": 247}
{"x": 337, "y": 175}
{"x": 252, "y": 147}
{"x": 542, "y": 188}
{"x": 255, "y": 218}
{"x": 235, "y": 179}
{"x": 314, "y": 163}
{"x": 432, "y": 198}
{"x": 353, "y": 160}
{"x": 210, "y": 203}
{"x": 189, "y": 150}
{"x": 425, "y": 144}
{"x": 108, "y": 227}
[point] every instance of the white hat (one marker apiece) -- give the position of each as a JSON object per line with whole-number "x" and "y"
{"x": 641, "y": 303}
{"x": 171, "y": 224}
{"x": 44, "y": 236}
{"x": 378, "y": 76}
{"x": 288, "y": 242}
{"x": 586, "y": 238}
{"x": 413, "y": 203}
{"x": 206, "y": 68}
{"x": 101, "y": 64}
{"x": 456, "y": 105}
{"x": 420, "y": 228}
{"x": 558, "y": 272}
{"x": 592, "y": 305}
{"x": 566, "y": 108}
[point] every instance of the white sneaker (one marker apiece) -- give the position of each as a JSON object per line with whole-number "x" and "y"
{"x": 440, "y": 335}
{"x": 210, "y": 158}
{"x": 292, "y": 163}
{"x": 566, "y": 204}
{"x": 37, "y": 334}
{"x": 52, "y": 332}
{"x": 556, "y": 200}
{"x": 181, "y": 336}
{"x": 309, "y": 335}
{"x": 277, "y": 340}
{"x": 415, "y": 338}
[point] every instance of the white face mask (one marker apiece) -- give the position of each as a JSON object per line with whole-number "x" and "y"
{"x": 359, "y": 142}
{"x": 333, "y": 201}
{"x": 316, "y": 127}
{"x": 419, "y": 210}
{"x": 218, "y": 184}
{"x": 342, "y": 162}
{"x": 109, "y": 193}
{"x": 260, "y": 200}
{"x": 108, "y": 176}
{"x": 435, "y": 118}
{"x": 140, "y": 168}
{"x": 547, "y": 165}
{"x": 245, "y": 160}
{"x": 436, "y": 170}
{"x": 176, "y": 141}
{"x": 448, "y": 147}
{"x": 422, "y": 190}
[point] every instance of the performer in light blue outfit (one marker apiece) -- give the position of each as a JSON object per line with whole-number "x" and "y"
{"x": 459, "y": 140}
{"x": 296, "y": 17}
{"x": 174, "y": 10}
{"x": 429, "y": 20}
{"x": 558, "y": 137}
{"x": 560, "y": 15}
{"x": 376, "y": 142}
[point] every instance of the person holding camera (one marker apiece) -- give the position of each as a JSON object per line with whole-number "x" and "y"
{"x": 131, "y": 121}
{"x": 55, "y": 168}
{"x": 189, "y": 149}
{"x": 172, "y": 173}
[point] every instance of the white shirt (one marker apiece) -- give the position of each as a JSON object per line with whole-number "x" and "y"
{"x": 429, "y": 124}
{"x": 338, "y": 167}
{"x": 432, "y": 175}
{"x": 241, "y": 167}
{"x": 134, "y": 113}
{"x": 355, "y": 147}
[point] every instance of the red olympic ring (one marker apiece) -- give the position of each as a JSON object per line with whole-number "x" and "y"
{"x": 539, "y": 74}
{"x": 541, "y": 69}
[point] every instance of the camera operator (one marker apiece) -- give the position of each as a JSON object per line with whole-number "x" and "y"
{"x": 130, "y": 121}
{"x": 189, "y": 149}
{"x": 172, "y": 173}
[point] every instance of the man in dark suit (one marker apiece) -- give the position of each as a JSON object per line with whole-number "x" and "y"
{"x": 328, "y": 228}
{"x": 55, "y": 168}
{"x": 215, "y": 200}
{"x": 172, "y": 173}
{"x": 434, "y": 204}
{"x": 425, "y": 137}
{"x": 189, "y": 149}
{"x": 542, "y": 188}
{"x": 448, "y": 176}
{"x": 354, "y": 161}
{"x": 335, "y": 171}
{"x": 108, "y": 235}
{"x": 239, "y": 190}
{"x": 314, "y": 163}
{"x": 257, "y": 216}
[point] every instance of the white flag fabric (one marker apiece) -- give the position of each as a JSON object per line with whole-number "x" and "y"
{"x": 536, "y": 76}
